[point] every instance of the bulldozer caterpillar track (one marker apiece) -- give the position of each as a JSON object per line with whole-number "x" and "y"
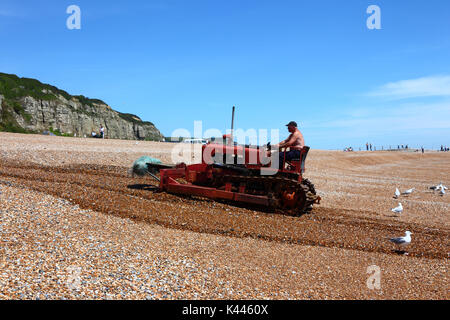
{"x": 276, "y": 188}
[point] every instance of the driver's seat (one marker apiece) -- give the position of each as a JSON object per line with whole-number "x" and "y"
{"x": 298, "y": 164}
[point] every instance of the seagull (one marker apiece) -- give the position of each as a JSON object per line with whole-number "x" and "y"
{"x": 409, "y": 191}
{"x": 402, "y": 241}
{"x": 435, "y": 187}
{"x": 398, "y": 209}
{"x": 397, "y": 193}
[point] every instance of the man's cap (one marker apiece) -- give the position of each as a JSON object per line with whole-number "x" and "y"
{"x": 292, "y": 123}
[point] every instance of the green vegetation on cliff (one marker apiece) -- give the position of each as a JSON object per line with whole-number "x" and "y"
{"x": 13, "y": 87}
{"x": 13, "y": 109}
{"x": 133, "y": 118}
{"x": 7, "y": 120}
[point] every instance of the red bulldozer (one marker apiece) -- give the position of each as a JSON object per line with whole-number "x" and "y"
{"x": 241, "y": 173}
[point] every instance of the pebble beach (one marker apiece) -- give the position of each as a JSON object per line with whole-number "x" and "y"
{"x": 75, "y": 225}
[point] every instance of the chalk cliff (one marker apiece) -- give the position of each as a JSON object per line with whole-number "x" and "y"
{"x": 27, "y": 105}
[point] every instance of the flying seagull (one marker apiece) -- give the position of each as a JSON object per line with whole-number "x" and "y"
{"x": 402, "y": 241}
{"x": 398, "y": 209}
{"x": 409, "y": 191}
{"x": 397, "y": 193}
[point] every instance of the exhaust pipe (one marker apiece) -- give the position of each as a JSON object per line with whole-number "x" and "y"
{"x": 232, "y": 127}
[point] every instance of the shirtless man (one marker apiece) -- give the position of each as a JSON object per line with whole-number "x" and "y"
{"x": 102, "y": 132}
{"x": 295, "y": 142}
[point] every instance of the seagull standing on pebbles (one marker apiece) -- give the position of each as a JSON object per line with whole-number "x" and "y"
{"x": 409, "y": 191}
{"x": 397, "y": 193}
{"x": 435, "y": 188}
{"x": 398, "y": 209}
{"x": 439, "y": 187}
{"x": 402, "y": 241}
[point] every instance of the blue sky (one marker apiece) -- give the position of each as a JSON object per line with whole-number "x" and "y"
{"x": 173, "y": 62}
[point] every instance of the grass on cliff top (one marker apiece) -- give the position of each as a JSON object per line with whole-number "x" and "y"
{"x": 133, "y": 118}
{"x": 12, "y": 87}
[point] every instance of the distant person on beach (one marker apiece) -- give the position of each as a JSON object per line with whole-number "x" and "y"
{"x": 423, "y": 150}
{"x": 102, "y": 132}
{"x": 367, "y": 146}
{"x": 370, "y": 147}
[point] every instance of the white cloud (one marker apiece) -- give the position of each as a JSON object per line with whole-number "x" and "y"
{"x": 424, "y": 120}
{"x": 433, "y": 86}
{"x": 387, "y": 118}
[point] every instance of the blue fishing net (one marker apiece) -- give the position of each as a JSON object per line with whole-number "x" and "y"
{"x": 140, "y": 165}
